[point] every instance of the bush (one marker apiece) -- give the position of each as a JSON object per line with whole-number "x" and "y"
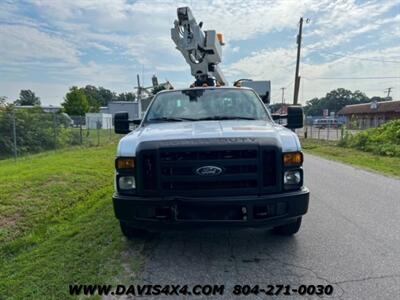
{"x": 35, "y": 131}
{"x": 383, "y": 140}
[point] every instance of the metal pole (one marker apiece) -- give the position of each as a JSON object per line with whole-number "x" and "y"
{"x": 80, "y": 129}
{"x": 329, "y": 129}
{"x": 98, "y": 132}
{"x": 55, "y": 130}
{"x": 14, "y": 136}
{"x": 296, "y": 77}
{"x": 139, "y": 87}
{"x": 110, "y": 126}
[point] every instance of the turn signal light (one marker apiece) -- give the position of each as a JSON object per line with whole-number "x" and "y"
{"x": 125, "y": 163}
{"x": 292, "y": 159}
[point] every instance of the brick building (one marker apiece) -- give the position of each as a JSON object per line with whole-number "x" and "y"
{"x": 371, "y": 114}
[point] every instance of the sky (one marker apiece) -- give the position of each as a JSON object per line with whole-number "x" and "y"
{"x": 50, "y": 45}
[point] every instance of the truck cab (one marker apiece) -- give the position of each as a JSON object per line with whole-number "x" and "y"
{"x": 209, "y": 157}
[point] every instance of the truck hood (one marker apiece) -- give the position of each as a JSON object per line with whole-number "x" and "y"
{"x": 208, "y": 129}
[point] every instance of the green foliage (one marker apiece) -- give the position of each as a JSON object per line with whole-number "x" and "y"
{"x": 76, "y": 102}
{"x": 37, "y": 131}
{"x": 126, "y": 97}
{"x": 383, "y": 140}
{"x": 98, "y": 97}
{"x": 336, "y": 100}
{"x": 157, "y": 89}
{"x": 3, "y": 102}
{"x": 27, "y": 97}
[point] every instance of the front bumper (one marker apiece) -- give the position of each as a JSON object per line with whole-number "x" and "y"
{"x": 162, "y": 213}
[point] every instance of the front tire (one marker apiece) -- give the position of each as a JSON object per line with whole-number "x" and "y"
{"x": 131, "y": 232}
{"x": 288, "y": 229}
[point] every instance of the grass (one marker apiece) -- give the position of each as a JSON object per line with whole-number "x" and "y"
{"x": 377, "y": 163}
{"x": 57, "y": 225}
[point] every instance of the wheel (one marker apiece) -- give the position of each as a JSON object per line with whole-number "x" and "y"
{"x": 288, "y": 229}
{"x": 131, "y": 232}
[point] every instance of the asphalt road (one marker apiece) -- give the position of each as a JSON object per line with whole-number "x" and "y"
{"x": 350, "y": 239}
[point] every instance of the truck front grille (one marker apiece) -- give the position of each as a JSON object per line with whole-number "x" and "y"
{"x": 246, "y": 169}
{"x": 149, "y": 170}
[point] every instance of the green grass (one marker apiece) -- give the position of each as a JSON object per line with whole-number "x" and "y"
{"x": 58, "y": 226}
{"x": 328, "y": 149}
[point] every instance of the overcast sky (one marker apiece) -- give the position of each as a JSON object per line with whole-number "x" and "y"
{"x": 50, "y": 45}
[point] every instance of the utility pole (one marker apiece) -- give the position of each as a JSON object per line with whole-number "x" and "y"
{"x": 138, "y": 86}
{"x": 388, "y": 90}
{"x": 283, "y": 96}
{"x": 297, "y": 77}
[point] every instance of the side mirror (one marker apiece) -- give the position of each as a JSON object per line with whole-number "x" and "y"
{"x": 294, "y": 117}
{"x": 121, "y": 122}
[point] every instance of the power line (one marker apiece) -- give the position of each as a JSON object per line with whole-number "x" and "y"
{"x": 289, "y": 84}
{"x": 362, "y": 58}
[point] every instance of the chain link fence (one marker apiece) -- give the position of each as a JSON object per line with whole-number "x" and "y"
{"x": 24, "y": 132}
{"x": 327, "y": 128}
{"x": 327, "y": 133}
{"x": 334, "y": 133}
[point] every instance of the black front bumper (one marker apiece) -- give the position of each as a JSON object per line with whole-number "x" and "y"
{"x": 161, "y": 213}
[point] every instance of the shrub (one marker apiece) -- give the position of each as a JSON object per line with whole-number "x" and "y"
{"x": 35, "y": 131}
{"x": 383, "y": 140}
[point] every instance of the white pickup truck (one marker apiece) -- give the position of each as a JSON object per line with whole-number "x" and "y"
{"x": 209, "y": 156}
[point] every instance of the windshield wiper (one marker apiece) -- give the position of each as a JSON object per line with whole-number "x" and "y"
{"x": 171, "y": 119}
{"x": 225, "y": 118}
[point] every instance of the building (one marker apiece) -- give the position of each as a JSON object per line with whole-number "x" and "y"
{"x": 371, "y": 114}
{"x": 98, "y": 121}
{"x": 132, "y": 107}
{"x": 47, "y": 109}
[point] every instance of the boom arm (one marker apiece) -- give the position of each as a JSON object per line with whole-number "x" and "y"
{"x": 201, "y": 50}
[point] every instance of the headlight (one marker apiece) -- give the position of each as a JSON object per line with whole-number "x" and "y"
{"x": 292, "y": 179}
{"x": 127, "y": 182}
{"x": 125, "y": 175}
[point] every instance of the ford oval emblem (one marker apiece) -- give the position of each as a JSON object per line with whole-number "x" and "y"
{"x": 209, "y": 171}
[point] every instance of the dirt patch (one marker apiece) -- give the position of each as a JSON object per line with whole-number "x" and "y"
{"x": 54, "y": 180}
{"x": 10, "y": 221}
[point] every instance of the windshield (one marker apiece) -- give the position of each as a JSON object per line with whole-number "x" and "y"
{"x": 206, "y": 104}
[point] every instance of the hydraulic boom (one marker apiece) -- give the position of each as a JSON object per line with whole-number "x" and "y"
{"x": 202, "y": 50}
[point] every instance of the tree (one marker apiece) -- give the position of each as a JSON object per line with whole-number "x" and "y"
{"x": 76, "y": 102}
{"x": 106, "y": 95}
{"x": 27, "y": 97}
{"x": 126, "y": 97}
{"x": 334, "y": 101}
{"x": 157, "y": 89}
{"x": 3, "y": 101}
{"x": 98, "y": 97}
{"x": 380, "y": 99}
